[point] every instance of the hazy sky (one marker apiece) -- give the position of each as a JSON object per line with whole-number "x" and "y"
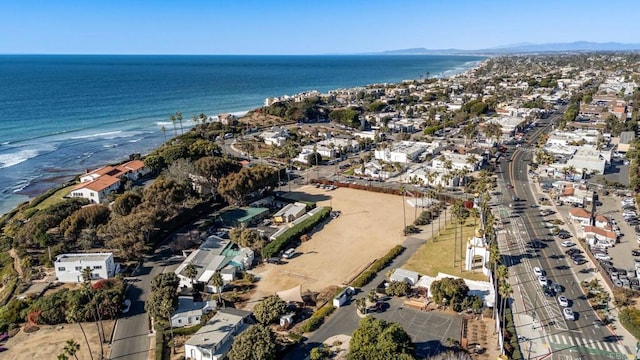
{"x": 304, "y": 27}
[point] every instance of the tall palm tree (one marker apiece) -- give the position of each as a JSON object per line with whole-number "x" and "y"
{"x": 71, "y": 347}
{"x": 179, "y": 118}
{"x": 72, "y": 315}
{"x": 191, "y": 272}
{"x": 216, "y": 280}
{"x": 163, "y": 130}
{"x": 505, "y": 291}
{"x": 404, "y": 211}
{"x": 173, "y": 120}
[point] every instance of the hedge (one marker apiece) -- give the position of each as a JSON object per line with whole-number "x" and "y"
{"x": 159, "y": 343}
{"x": 295, "y": 233}
{"x": 187, "y": 330}
{"x": 368, "y": 275}
{"x": 630, "y": 319}
{"x": 317, "y": 318}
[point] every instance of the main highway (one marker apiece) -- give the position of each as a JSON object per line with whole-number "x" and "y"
{"x": 581, "y": 338}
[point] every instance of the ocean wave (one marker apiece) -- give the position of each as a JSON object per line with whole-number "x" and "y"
{"x": 103, "y": 134}
{"x": 164, "y": 123}
{"x": 135, "y": 140}
{"x": 110, "y": 145}
{"x": 14, "y": 158}
{"x": 23, "y": 184}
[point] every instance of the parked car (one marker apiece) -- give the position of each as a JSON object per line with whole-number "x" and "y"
{"x": 635, "y": 252}
{"x": 602, "y": 256}
{"x": 289, "y": 253}
{"x": 568, "y": 243}
{"x": 557, "y": 288}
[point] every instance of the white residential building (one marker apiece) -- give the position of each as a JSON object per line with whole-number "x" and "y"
{"x": 374, "y": 169}
{"x": 470, "y": 162}
{"x": 215, "y": 254}
{"x": 69, "y": 267}
{"x": 213, "y": 341}
{"x": 190, "y": 312}
{"x": 509, "y": 124}
{"x": 97, "y": 184}
{"x": 402, "y": 152}
{"x": 277, "y": 136}
{"x": 429, "y": 176}
{"x": 290, "y": 212}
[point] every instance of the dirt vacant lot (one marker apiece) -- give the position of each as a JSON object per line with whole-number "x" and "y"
{"x": 49, "y": 341}
{"x": 370, "y": 225}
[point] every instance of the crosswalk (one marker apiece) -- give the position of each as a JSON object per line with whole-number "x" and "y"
{"x": 579, "y": 345}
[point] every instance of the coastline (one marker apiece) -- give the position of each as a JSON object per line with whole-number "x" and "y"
{"x": 28, "y": 189}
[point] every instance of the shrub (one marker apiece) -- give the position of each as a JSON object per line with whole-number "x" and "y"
{"x": 294, "y": 233}
{"x": 317, "y": 318}
{"x": 159, "y": 343}
{"x": 368, "y": 275}
{"x": 398, "y": 288}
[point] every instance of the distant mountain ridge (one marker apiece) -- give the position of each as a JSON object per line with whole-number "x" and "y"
{"x": 522, "y": 48}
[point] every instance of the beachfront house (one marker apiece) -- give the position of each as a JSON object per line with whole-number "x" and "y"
{"x": 213, "y": 341}
{"x": 96, "y": 185}
{"x": 69, "y": 267}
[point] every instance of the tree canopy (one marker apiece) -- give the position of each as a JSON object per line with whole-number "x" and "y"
{"x": 256, "y": 343}
{"x": 269, "y": 310}
{"x": 377, "y": 339}
{"x": 454, "y": 290}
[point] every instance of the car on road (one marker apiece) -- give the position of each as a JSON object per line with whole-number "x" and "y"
{"x": 601, "y": 256}
{"x": 548, "y": 291}
{"x": 568, "y": 243}
{"x": 509, "y": 186}
{"x": 542, "y": 280}
{"x": 557, "y": 288}
{"x": 563, "y": 301}
{"x": 568, "y": 313}
{"x": 537, "y": 271}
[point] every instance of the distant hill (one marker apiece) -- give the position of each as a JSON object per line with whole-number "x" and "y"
{"x": 522, "y": 48}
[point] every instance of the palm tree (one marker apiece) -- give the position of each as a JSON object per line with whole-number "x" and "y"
{"x": 88, "y": 290}
{"x": 173, "y": 121}
{"x": 404, "y": 211}
{"x": 191, "y": 272}
{"x": 505, "y": 291}
{"x": 167, "y": 308}
{"x": 216, "y": 280}
{"x": 164, "y": 133}
{"x": 179, "y": 118}
{"x": 71, "y": 348}
{"x": 72, "y": 315}
{"x": 62, "y": 356}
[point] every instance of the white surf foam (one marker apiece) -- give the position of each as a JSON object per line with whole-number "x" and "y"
{"x": 14, "y": 158}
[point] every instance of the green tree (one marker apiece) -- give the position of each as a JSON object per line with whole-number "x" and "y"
{"x": 269, "y": 310}
{"x": 217, "y": 281}
{"x": 398, "y": 288}
{"x": 191, "y": 272}
{"x": 376, "y": 339}
{"x": 256, "y": 343}
{"x": 453, "y": 290}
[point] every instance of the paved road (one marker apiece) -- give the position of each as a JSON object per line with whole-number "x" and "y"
{"x": 566, "y": 339}
{"x": 131, "y": 339}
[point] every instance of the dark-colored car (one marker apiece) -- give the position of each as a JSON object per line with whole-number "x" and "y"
{"x": 635, "y": 252}
{"x": 548, "y": 291}
{"x": 557, "y": 288}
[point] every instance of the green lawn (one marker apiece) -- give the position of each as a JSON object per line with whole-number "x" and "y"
{"x": 437, "y": 255}
{"x": 55, "y": 198}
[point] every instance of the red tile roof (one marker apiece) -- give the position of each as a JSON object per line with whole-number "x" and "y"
{"x": 601, "y": 232}
{"x": 98, "y": 184}
{"x": 579, "y": 212}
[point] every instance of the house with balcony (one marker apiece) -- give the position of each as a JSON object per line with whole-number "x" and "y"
{"x": 69, "y": 267}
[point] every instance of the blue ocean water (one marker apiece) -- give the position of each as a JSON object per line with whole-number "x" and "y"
{"x": 61, "y": 114}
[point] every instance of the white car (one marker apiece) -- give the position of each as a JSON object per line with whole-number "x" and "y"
{"x": 289, "y": 253}
{"x": 601, "y": 256}
{"x": 568, "y": 243}
{"x": 563, "y": 301}
{"x": 568, "y": 313}
{"x": 537, "y": 271}
{"x": 542, "y": 280}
